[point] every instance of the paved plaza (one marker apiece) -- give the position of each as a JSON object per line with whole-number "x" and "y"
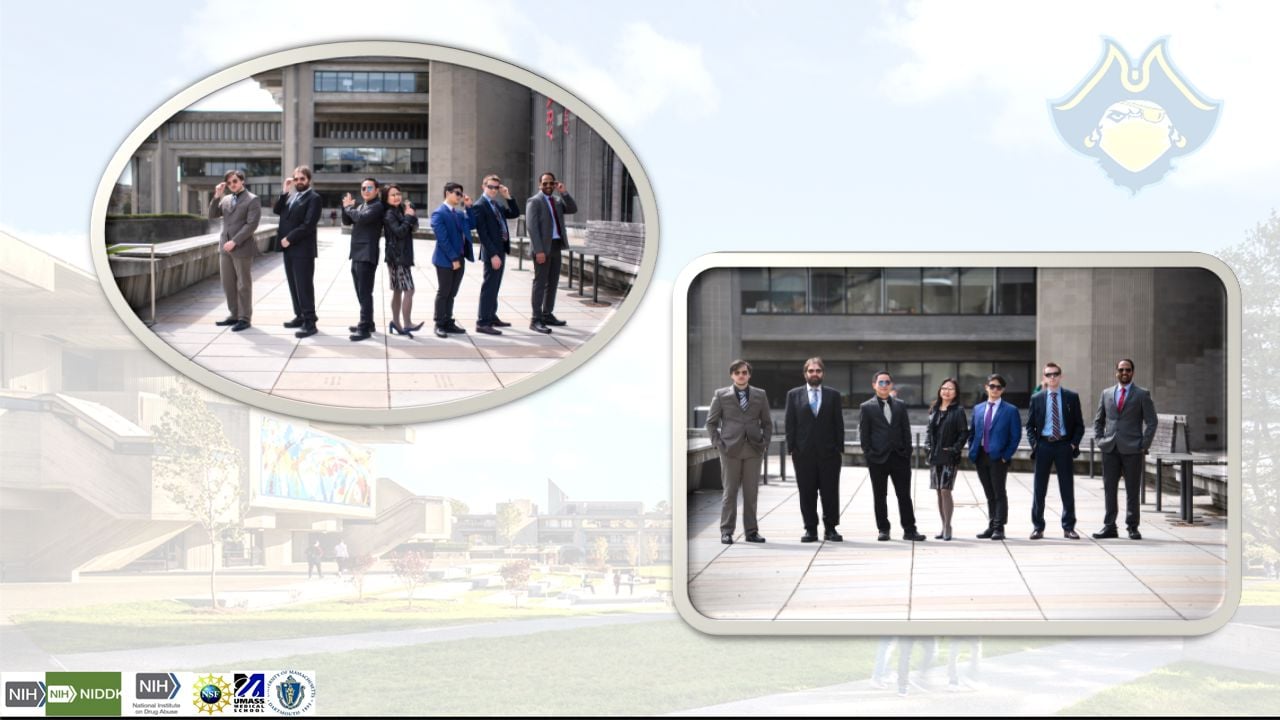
{"x": 385, "y": 371}
{"x": 1175, "y": 572}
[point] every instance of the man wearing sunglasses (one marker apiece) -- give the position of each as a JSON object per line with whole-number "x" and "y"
{"x": 299, "y": 211}
{"x": 884, "y": 431}
{"x": 1125, "y": 426}
{"x": 490, "y": 217}
{"x": 544, "y": 214}
{"x": 452, "y": 224}
{"x": 993, "y": 439}
{"x": 241, "y": 210}
{"x": 1055, "y": 426}
{"x": 365, "y": 220}
{"x": 739, "y": 425}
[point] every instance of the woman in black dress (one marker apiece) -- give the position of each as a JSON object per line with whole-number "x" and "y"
{"x": 398, "y": 226}
{"x": 948, "y": 431}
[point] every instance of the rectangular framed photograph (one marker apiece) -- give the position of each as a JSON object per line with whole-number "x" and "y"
{"x": 957, "y": 443}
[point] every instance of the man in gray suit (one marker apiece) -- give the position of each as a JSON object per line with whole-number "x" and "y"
{"x": 240, "y": 211}
{"x": 1125, "y": 426}
{"x": 544, "y": 215}
{"x": 740, "y": 426}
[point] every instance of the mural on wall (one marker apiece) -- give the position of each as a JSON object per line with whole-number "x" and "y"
{"x": 300, "y": 463}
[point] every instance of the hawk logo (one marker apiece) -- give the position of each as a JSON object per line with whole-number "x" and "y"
{"x": 1135, "y": 118}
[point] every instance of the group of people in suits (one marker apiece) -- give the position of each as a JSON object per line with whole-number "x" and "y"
{"x": 740, "y": 426}
{"x": 384, "y": 211}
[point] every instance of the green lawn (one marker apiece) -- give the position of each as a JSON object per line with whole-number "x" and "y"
{"x": 1262, "y": 592}
{"x": 1188, "y": 688}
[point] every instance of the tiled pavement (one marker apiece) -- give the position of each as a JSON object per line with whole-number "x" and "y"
{"x": 386, "y": 371}
{"x": 1174, "y": 572}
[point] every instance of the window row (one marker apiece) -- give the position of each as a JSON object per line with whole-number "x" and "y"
{"x": 889, "y": 291}
{"x": 217, "y": 167}
{"x": 334, "y": 130}
{"x": 370, "y": 160}
{"x": 417, "y": 196}
{"x": 915, "y": 382}
{"x": 370, "y": 82}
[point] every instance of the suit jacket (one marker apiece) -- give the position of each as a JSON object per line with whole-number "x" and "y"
{"x": 1072, "y": 419}
{"x": 298, "y": 223}
{"x": 1129, "y": 431}
{"x": 398, "y": 228}
{"x": 879, "y": 438}
{"x": 945, "y": 437}
{"x": 489, "y": 219}
{"x": 365, "y": 220}
{"x": 816, "y": 437}
{"x": 453, "y": 239}
{"x": 1006, "y": 431}
{"x": 738, "y": 433}
{"x": 537, "y": 217}
{"x": 238, "y": 223}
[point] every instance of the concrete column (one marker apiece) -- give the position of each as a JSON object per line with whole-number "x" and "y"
{"x": 1123, "y": 313}
{"x": 476, "y": 127}
{"x": 715, "y": 332}
{"x": 1064, "y": 333}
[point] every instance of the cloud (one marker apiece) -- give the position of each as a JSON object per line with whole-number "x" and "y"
{"x": 244, "y": 96}
{"x": 959, "y": 50}
{"x": 71, "y": 248}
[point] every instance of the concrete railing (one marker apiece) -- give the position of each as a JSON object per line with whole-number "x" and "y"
{"x": 177, "y": 265}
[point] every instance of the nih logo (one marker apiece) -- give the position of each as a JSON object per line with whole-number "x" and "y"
{"x": 157, "y": 686}
{"x": 24, "y": 694}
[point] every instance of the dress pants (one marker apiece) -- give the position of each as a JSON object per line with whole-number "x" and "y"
{"x": 737, "y": 472}
{"x": 300, "y": 271}
{"x": 897, "y": 468}
{"x": 993, "y": 474}
{"x": 546, "y": 281}
{"x": 814, "y": 477}
{"x": 362, "y": 273}
{"x": 448, "y": 281}
{"x": 488, "y": 312}
{"x": 1130, "y": 465}
{"x": 1057, "y": 456}
{"x": 237, "y": 283}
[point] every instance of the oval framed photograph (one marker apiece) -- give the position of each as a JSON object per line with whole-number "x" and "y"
{"x": 375, "y": 232}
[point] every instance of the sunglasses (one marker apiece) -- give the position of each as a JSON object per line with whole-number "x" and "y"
{"x": 741, "y": 372}
{"x": 993, "y": 386}
{"x": 1052, "y": 374}
{"x": 884, "y": 383}
{"x": 493, "y": 187}
{"x": 368, "y": 187}
{"x": 1124, "y": 370}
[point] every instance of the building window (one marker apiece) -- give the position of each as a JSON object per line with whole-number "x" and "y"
{"x": 218, "y": 167}
{"x": 941, "y": 288}
{"x": 370, "y": 82}
{"x": 401, "y": 161}
{"x": 916, "y": 382}
{"x": 977, "y": 291}
{"x": 826, "y": 290}
{"x": 902, "y": 291}
{"x": 888, "y": 291}
{"x": 787, "y": 290}
{"x": 1017, "y": 291}
{"x": 862, "y": 291}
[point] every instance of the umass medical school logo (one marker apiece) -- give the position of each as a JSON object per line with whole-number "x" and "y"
{"x": 1134, "y": 119}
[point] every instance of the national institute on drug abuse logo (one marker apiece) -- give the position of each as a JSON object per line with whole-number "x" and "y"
{"x": 1135, "y": 118}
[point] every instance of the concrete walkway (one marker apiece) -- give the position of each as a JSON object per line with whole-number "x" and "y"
{"x": 386, "y": 371}
{"x": 1175, "y": 572}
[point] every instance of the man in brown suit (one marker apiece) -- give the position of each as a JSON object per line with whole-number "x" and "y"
{"x": 740, "y": 426}
{"x": 240, "y": 211}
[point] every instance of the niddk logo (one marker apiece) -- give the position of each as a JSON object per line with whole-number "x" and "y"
{"x": 1135, "y": 118}
{"x": 291, "y": 692}
{"x": 83, "y": 693}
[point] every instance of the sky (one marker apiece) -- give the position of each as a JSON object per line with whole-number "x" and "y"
{"x": 915, "y": 126}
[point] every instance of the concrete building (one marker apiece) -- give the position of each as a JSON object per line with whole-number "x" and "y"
{"x": 926, "y": 324}
{"x": 78, "y": 487}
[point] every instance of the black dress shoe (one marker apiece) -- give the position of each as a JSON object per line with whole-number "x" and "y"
{"x": 440, "y": 333}
{"x": 501, "y": 323}
{"x": 913, "y": 537}
{"x": 809, "y": 536}
{"x": 553, "y": 321}
{"x": 1070, "y": 535}
{"x": 754, "y": 537}
{"x": 228, "y": 321}
{"x": 308, "y": 329}
{"x": 1037, "y": 534}
{"x": 726, "y": 538}
{"x": 537, "y": 326}
{"x": 1106, "y": 533}
{"x": 986, "y": 534}
{"x": 241, "y": 325}
{"x": 997, "y": 534}
{"x": 832, "y": 536}
{"x": 488, "y": 330}
{"x": 883, "y": 537}
{"x": 360, "y": 334}
{"x": 454, "y": 328}
{"x": 294, "y": 323}
{"x": 1134, "y": 534}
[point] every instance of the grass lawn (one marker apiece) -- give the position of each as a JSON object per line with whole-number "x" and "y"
{"x": 1188, "y": 688}
{"x": 1260, "y": 592}
{"x": 168, "y": 623}
{"x": 654, "y": 667}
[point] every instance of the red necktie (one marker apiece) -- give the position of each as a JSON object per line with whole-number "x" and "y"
{"x": 1120, "y": 402}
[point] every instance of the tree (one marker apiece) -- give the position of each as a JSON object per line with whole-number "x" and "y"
{"x": 510, "y": 519}
{"x": 411, "y": 567}
{"x": 515, "y": 575}
{"x": 599, "y": 552}
{"x": 457, "y": 507}
{"x": 359, "y": 566}
{"x": 199, "y": 469}
{"x": 1256, "y": 262}
{"x": 649, "y": 550}
{"x": 663, "y": 507}
{"x": 633, "y": 552}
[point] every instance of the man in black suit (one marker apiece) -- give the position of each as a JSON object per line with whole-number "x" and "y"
{"x": 490, "y": 216}
{"x": 884, "y": 431}
{"x": 815, "y": 441}
{"x": 1055, "y": 426}
{"x": 365, "y": 220}
{"x": 299, "y": 211}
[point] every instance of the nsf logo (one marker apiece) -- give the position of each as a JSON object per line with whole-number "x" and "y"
{"x": 292, "y": 692}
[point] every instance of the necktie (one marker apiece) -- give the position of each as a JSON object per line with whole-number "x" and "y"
{"x": 555, "y": 224}
{"x": 293, "y": 199}
{"x": 742, "y": 400}
{"x": 888, "y": 412}
{"x": 986, "y": 426}
{"x": 235, "y": 198}
{"x": 1057, "y": 424}
{"x": 1120, "y": 402}
{"x": 813, "y": 401}
{"x": 503, "y": 222}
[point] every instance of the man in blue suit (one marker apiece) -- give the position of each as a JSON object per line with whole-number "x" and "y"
{"x": 993, "y": 439}
{"x": 452, "y": 226}
{"x": 1055, "y": 426}
{"x": 490, "y": 218}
